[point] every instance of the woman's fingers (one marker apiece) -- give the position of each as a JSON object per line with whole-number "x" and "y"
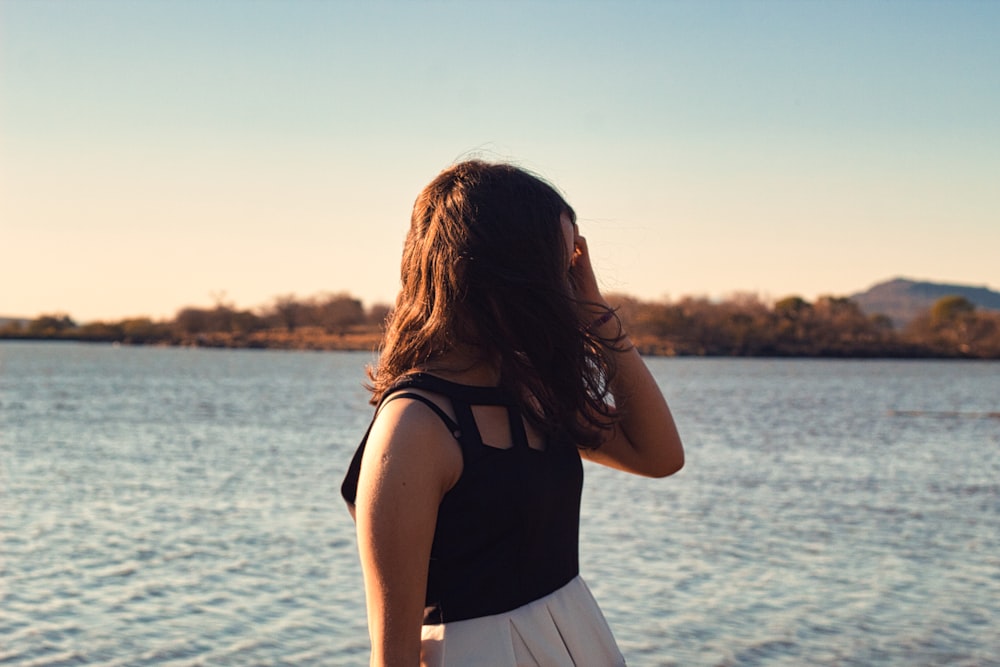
{"x": 583, "y": 272}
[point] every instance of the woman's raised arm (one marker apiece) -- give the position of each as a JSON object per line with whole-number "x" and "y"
{"x": 644, "y": 440}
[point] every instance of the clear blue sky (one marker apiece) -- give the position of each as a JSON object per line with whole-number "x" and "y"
{"x": 158, "y": 154}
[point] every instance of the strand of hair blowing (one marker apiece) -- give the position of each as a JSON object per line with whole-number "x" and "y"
{"x": 484, "y": 266}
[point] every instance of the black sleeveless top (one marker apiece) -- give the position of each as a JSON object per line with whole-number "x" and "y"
{"x": 507, "y": 532}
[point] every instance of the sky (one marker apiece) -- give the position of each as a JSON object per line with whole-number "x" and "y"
{"x": 170, "y": 153}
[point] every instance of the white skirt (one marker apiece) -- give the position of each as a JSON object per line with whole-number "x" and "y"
{"x": 563, "y": 629}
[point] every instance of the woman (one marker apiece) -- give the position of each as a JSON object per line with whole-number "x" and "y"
{"x": 502, "y": 365}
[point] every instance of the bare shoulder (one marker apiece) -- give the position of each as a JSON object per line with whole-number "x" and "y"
{"x": 409, "y": 441}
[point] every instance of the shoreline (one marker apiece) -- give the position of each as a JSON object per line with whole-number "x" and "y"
{"x": 309, "y": 339}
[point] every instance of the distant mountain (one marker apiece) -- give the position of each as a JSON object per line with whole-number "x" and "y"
{"x": 903, "y": 299}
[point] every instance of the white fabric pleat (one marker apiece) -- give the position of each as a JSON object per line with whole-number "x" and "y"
{"x": 563, "y": 629}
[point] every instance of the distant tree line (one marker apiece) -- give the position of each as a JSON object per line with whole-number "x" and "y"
{"x": 320, "y": 321}
{"x": 831, "y": 326}
{"x": 741, "y": 325}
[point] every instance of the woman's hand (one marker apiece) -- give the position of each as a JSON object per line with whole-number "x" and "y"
{"x": 592, "y": 304}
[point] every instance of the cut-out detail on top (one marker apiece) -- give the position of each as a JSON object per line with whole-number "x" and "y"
{"x": 494, "y": 425}
{"x": 497, "y": 422}
{"x": 502, "y": 427}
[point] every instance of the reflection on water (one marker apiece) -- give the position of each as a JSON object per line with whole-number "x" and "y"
{"x": 180, "y": 507}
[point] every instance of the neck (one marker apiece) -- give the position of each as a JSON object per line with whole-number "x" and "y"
{"x": 465, "y": 365}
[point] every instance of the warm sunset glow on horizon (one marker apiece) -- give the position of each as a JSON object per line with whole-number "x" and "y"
{"x": 160, "y": 154}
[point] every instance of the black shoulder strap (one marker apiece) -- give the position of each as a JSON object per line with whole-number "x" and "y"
{"x": 448, "y": 421}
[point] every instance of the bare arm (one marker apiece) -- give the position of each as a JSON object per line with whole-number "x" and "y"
{"x": 410, "y": 462}
{"x": 644, "y": 440}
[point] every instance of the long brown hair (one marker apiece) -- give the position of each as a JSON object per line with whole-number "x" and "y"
{"x": 484, "y": 266}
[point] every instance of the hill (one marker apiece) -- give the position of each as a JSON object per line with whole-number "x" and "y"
{"x": 902, "y": 299}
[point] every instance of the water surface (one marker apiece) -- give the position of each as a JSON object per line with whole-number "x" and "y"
{"x": 181, "y": 507}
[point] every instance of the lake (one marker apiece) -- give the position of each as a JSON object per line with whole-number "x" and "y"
{"x": 165, "y": 506}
